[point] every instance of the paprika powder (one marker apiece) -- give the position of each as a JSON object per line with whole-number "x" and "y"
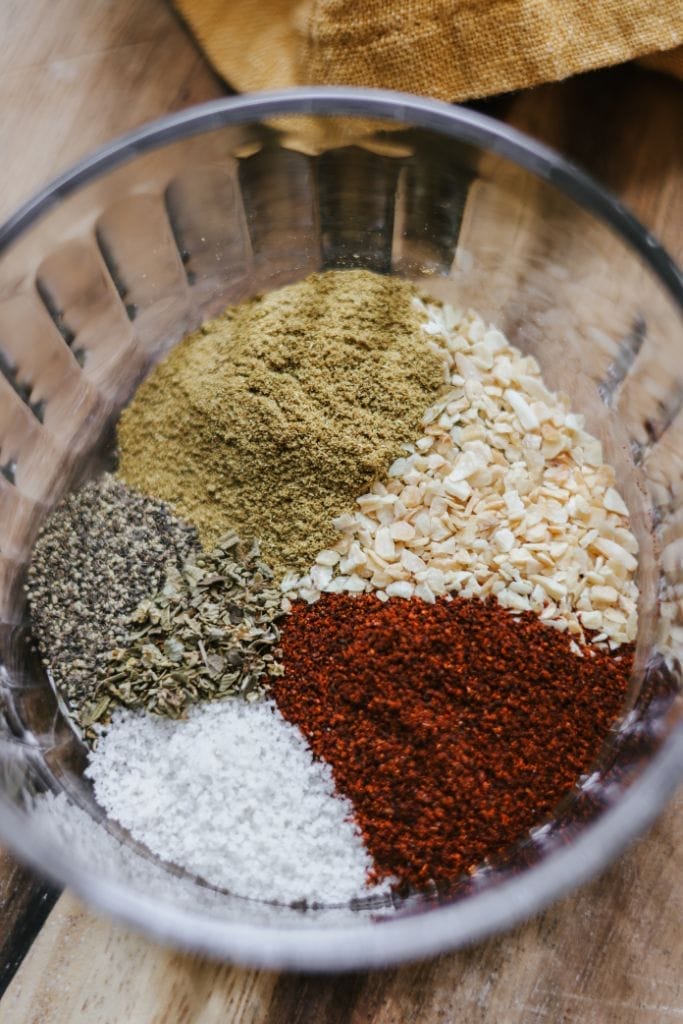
{"x": 453, "y": 727}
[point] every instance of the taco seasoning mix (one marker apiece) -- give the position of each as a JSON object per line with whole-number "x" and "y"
{"x": 383, "y": 604}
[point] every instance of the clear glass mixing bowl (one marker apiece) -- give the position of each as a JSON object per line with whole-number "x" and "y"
{"x": 119, "y": 258}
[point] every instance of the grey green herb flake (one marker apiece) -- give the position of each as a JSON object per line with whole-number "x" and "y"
{"x": 210, "y": 632}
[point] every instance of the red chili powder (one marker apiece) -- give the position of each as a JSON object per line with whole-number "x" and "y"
{"x": 452, "y": 727}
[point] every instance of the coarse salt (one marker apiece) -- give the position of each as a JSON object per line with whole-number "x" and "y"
{"x": 232, "y": 794}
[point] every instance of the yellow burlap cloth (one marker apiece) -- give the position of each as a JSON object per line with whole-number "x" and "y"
{"x": 447, "y": 49}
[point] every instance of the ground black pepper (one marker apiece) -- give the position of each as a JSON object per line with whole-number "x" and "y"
{"x": 99, "y": 554}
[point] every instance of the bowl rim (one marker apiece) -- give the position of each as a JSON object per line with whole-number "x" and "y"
{"x": 455, "y": 121}
{"x": 348, "y": 947}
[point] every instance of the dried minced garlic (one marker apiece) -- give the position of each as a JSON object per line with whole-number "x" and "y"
{"x": 504, "y": 493}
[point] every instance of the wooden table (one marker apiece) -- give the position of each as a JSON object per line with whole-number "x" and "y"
{"x": 74, "y": 73}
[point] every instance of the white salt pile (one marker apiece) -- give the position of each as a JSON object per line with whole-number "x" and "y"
{"x": 232, "y": 795}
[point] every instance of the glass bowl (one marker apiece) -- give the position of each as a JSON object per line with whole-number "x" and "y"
{"x": 119, "y": 258}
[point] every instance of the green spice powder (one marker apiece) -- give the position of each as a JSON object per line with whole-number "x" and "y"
{"x": 273, "y": 418}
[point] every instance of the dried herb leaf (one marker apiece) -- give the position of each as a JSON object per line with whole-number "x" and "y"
{"x": 210, "y": 632}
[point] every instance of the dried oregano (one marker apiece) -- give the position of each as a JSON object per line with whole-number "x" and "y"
{"x": 210, "y": 632}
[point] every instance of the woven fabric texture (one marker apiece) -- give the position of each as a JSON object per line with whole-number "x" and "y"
{"x": 448, "y": 49}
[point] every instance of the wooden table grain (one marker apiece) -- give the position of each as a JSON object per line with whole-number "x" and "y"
{"x": 73, "y": 74}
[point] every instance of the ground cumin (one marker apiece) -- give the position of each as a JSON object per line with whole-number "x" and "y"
{"x": 271, "y": 419}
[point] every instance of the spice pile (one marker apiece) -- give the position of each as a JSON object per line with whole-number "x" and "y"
{"x": 452, "y": 727}
{"x": 272, "y": 419}
{"x": 209, "y": 633}
{"x": 505, "y": 493}
{"x": 435, "y": 644}
{"x": 248, "y": 811}
{"x": 101, "y": 552}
